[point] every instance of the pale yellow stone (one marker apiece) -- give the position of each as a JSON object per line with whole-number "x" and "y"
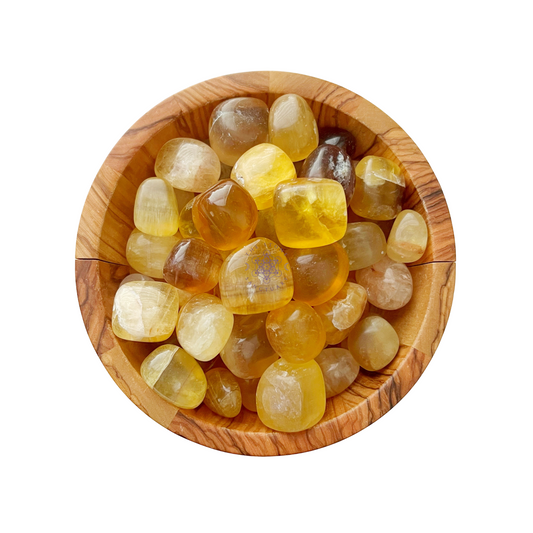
{"x": 156, "y": 210}
{"x": 408, "y": 237}
{"x": 339, "y": 369}
{"x": 364, "y": 243}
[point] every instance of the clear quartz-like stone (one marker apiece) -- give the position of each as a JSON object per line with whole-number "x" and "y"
{"x": 223, "y": 394}
{"x": 364, "y": 243}
{"x": 408, "y": 237}
{"x": 339, "y": 369}
{"x": 156, "y": 209}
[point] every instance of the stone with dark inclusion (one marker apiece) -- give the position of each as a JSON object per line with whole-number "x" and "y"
{"x": 338, "y": 137}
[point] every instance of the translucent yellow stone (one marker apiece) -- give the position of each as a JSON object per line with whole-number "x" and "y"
{"x": 145, "y": 311}
{"x": 204, "y": 326}
{"x": 265, "y": 225}
{"x": 379, "y": 188}
{"x": 295, "y": 331}
{"x": 342, "y": 312}
{"x": 291, "y": 397}
{"x": 223, "y": 394}
{"x": 188, "y": 164}
{"x": 147, "y": 254}
{"x": 248, "y": 353}
{"x": 248, "y": 393}
{"x": 309, "y": 212}
{"x": 176, "y": 376}
{"x": 373, "y": 343}
{"x": 255, "y": 278}
{"x": 339, "y": 369}
{"x": 292, "y": 126}
{"x": 408, "y": 238}
{"x": 156, "y": 210}
{"x": 364, "y": 243}
{"x": 260, "y": 169}
{"x": 136, "y": 277}
{"x": 186, "y": 223}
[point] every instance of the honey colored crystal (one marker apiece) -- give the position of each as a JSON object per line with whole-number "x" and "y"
{"x": 373, "y": 343}
{"x": 265, "y": 225}
{"x": 291, "y": 397}
{"x": 188, "y": 164}
{"x": 204, "y": 326}
{"x": 364, "y": 243}
{"x": 248, "y": 392}
{"x": 186, "y": 223}
{"x": 260, "y": 169}
{"x": 339, "y": 369}
{"x": 292, "y": 126}
{"x": 223, "y": 394}
{"x": 309, "y": 212}
{"x": 295, "y": 331}
{"x": 408, "y": 238}
{"x": 256, "y": 278}
{"x": 318, "y": 273}
{"x": 145, "y": 311}
{"x": 176, "y": 376}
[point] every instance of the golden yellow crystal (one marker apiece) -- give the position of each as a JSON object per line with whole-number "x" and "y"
{"x": 265, "y": 225}
{"x": 364, "y": 243}
{"x": 223, "y": 395}
{"x": 156, "y": 209}
{"x": 408, "y": 237}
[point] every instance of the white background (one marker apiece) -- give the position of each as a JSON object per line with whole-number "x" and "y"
{"x": 454, "y": 455}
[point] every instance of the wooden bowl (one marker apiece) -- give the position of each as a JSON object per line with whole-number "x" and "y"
{"x": 107, "y": 221}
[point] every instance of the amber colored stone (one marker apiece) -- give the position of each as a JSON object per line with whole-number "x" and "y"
{"x": 136, "y": 277}
{"x": 379, "y": 188}
{"x": 260, "y": 169}
{"x": 291, "y": 397}
{"x": 330, "y": 162}
{"x": 339, "y": 369}
{"x": 204, "y": 326}
{"x": 309, "y": 212}
{"x": 192, "y": 266}
{"x": 337, "y": 137}
{"x": 248, "y": 353}
{"x": 318, "y": 273}
{"x": 248, "y": 393}
{"x": 256, "y": 278}
{"x": 236, "y": 125}
{"x": 373, "y": 343}
{"x": 145, "y": 311}
{"x": 187, "y": 164}
{"x": 364, "y": 243}
{"x": 225, "y": 215}
{"x": 408, "y": 238}
{"x": 292, "y": 126}
{"x": 223, "y": 395}
{"x": 389, "y": 284}
{"x": 295, "y": 331}
{"x": 186, "y": 224}
{"x": 147, "y": 254}
{"x": 265, "y": 225}
{"x": 340, "y": 313}
{"x": 176, "y": 376}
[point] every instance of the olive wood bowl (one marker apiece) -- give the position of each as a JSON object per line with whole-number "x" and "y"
{"x": 107, "y": 221}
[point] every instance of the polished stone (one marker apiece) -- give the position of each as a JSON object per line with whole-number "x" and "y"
{"x": 364, "y": 243}
{"x": 339, "y": 369}
{"x": 223, "y": 395}
{"x": 408, "y": 237}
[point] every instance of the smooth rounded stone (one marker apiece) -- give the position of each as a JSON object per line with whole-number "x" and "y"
{"x": 236, "y": 125}
{"x": 136, "y": 277}
{"x": 145, "y": 311}
{"x": 186, "y": 224}
{"x": 330, "y": 162}
{"x": 147, "y": 254}
{"x": 188, "y": 164}
{"x": 223, "y": 394}
{"x": 309, "y": 212}
{"x": 292, "y": 126}
{"x": 182, "y": 197}
{"x": 318, "y": 273}
{"x": 248, "y": 353}
{"x": 341, "y": 313}
{"x": 291, "y": 397}
{"x": 364, "y": 243}
{"x": 408, "y": 238}
{"x": 204, "y": 326}
{"x": 379, "y": 188}
{"x": 337, "y": 137}
{"x": 385, "y": 225}
{"x": 256, "y": 278}
{"x": 156, "y": 211}
{"x": 373, "y": 343}
{"x": 389, "y": 284}
{"x": 295, "y": 331}
{"x": 248, "y": 392}
{"x": 339, "y": 369}
{"x": 192, "y": 266}
{"x": 265, "y": 225}
{"x": 176, "y": 376}
{"x": 260, "y": 169}
{"x": 225, "y": 215}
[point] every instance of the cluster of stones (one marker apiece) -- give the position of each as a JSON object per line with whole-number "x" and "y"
{"x": 243, "y": 282}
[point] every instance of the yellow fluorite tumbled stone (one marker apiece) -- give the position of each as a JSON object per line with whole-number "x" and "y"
{"x": 291, "y": 397}
{"x": 156, "y": 209}
{"x": 339, "y": 369}
{"x": 292, "y": 126}
{"x": 265, "y": 225}
{"x": 364, "y": 243}
{"x": 176, "y": 376}
{"x": 223, "y": 394}
{"x": 408, "y": 237}
{"x": 186, "y": 224}
{"x": 260, "y": 169}
{"x": 255, "y": 278}
{"x": 145, "y": 311}
{"x": 309, "y": 212}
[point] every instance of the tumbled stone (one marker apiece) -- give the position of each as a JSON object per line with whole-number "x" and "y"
{"x": 176, "y": 376}
{"x": 248, "y": 393}
{"x": 338, "y": 137}
{"x": 136, "y": 277}
{"x": 339, "y": 369}
{"x": 186, "y": 225}
{"x": 365, "y": 244}
{"x": 182, "y": 197}
{"x": 265, "y": 225}
{"x": 408, "y": 237}
{"x": 223, "y": 395}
